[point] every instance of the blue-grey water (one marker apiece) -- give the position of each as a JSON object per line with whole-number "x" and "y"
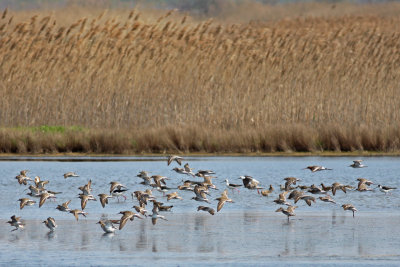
{"x": 246, "y": 232}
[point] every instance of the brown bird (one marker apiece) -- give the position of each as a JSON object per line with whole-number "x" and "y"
{"x": 104, "y": 199}
{"x": 362, "y": 181}
{"x": 84, "y": 200}
{"x": 70, "y": 174}
{"x": 50, "y": 223}
{"x": 45, "y": 196}
{"x": 288, "y": 212}
{"x": 336, "y": 186}
{"x": 349, "y": 207}
{"x": 208, "y": 209}
{"x": 282, "y": 199}
{"x": 64, "y": 206}
{"x": 290, "y": 181}
{"x": 327, "y": 198}
{"x": 221, "y": 200}
{"x": 127, "y": 215}
{"x": 77, "y": 212}
{"x": 16, "y": 222}
{"x": 178, "y": 159}
{"x": 173, "y": 195}
{"x": 265, "y": 193}
{"x": 87, "y": 188}
{"x": 141, "y": 210}
{"x": 25, "y": 202}
{"x": 326, "y": 188}
{"x": 316, "y": 168}
{"x": 306, "y": 198}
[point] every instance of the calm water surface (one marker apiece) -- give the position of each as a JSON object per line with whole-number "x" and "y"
{"x": 247, "y": 232}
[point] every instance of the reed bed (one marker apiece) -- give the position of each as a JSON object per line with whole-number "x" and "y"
{"x": 141, "y": 83}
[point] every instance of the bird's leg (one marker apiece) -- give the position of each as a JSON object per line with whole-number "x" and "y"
{"x": 353, "y": 213}
{"x": 124, "y": 197}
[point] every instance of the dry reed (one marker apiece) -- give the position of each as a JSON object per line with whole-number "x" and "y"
{"x": 172, "y": 83}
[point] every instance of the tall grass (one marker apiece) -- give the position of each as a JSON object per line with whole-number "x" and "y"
{"x": 170, "y": 82}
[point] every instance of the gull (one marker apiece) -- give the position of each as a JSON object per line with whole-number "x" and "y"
{"x": 64, "y": 206}
{"x": 15, "y": 221}
{"x": 232, "y": 186}
{"x": 70, "y": 174}
{"x": 316, "y": 168}
{"x": 25, "y": 202}
{"x": 327, "y": 198}
{"x": 222, "y": 199}
{"x": 386, "y": 189}
{"x": 104, "y": 199}
{"x": 288, "y": 212}
{"x": 77, "y": 212}
{"x": 357, "y": 164}
{"x": 50, "y": 223}
{"x": 127, "y": 215}
{"x": 172, "y": 158}
{"x": 107, "y": 226}
{"x": 207, "y": 209}
{"x": 349, "y": 207}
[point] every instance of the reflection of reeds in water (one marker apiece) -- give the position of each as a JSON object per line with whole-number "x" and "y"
{"x": 294, "y": 85}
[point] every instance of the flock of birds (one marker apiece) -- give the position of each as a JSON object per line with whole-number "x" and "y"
{"x": 201, "y": 190}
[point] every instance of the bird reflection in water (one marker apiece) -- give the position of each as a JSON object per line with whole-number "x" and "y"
{"x": 51, "y": 235}
{"x": 141, "y": 243}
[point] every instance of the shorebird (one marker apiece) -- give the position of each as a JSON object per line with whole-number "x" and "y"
{"x": 207, "y": 209}
{"x": 222, "y": 199}
{"x": 316, "y": 190}
{"x": 45, "y": 196}
{"x": 127, "y": 215}
{"x": 316, "y": 168}
{"x": 155, "y": 216}
{"x": 288, "y": 212}
{"x": 77, "y": 212}
{"x": 107, "y": 226}
{"x": 84, "y": 200}
{"x": 327, "y": 198}
{"x": 357, "y": 164}
{"x": 306, "y": 198}
{"x": 363, "y": 187}
{"x": 349, "y": 207}
{"x": 87, "y": 188}
{"x": 117, "y": 189}
{"x": 173, "y": 195}
{"x": 50, "y": 223}
{"x": 22, "y": 179}
{"x": 232, "y": 186}
{"x": 25, "y": 202}
{"x": 326, "y": 188}
{"x": 282, "y": 199}
{"x": 364, "y": 181}
{"x": 336, "y": 186}
{"x": 200, "y": 173}
{"x": 295, "y": 194}
{"x": 386, "y": 189}
{"x": 265, "y": 193}
{"x": 250, "y": 183}
{"x": 35, "y": 192}
{"x": 141, "y": 210}
{"x": 187, "y": 185}
{"x": 290, "y": 181}
{"x": 200, "y": 194}
{"x": 180, "y": 170}
{"x": 161, "y": 206}
{"x": 178, "y": 159}
{"x": 70, "y": 174}
{"x": 146, "y": 178}
{"x": 64, "y": 206}
{"x": 159, "y": 183}
{"x": 104, "y": 199}
{"x": 15, "y": 221}
{"x": 40, "y": 184}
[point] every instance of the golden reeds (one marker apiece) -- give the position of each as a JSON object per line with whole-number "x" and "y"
{"x": 175, "y": 83}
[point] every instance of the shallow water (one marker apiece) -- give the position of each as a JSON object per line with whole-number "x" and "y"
{"x": 247, "y": 232}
